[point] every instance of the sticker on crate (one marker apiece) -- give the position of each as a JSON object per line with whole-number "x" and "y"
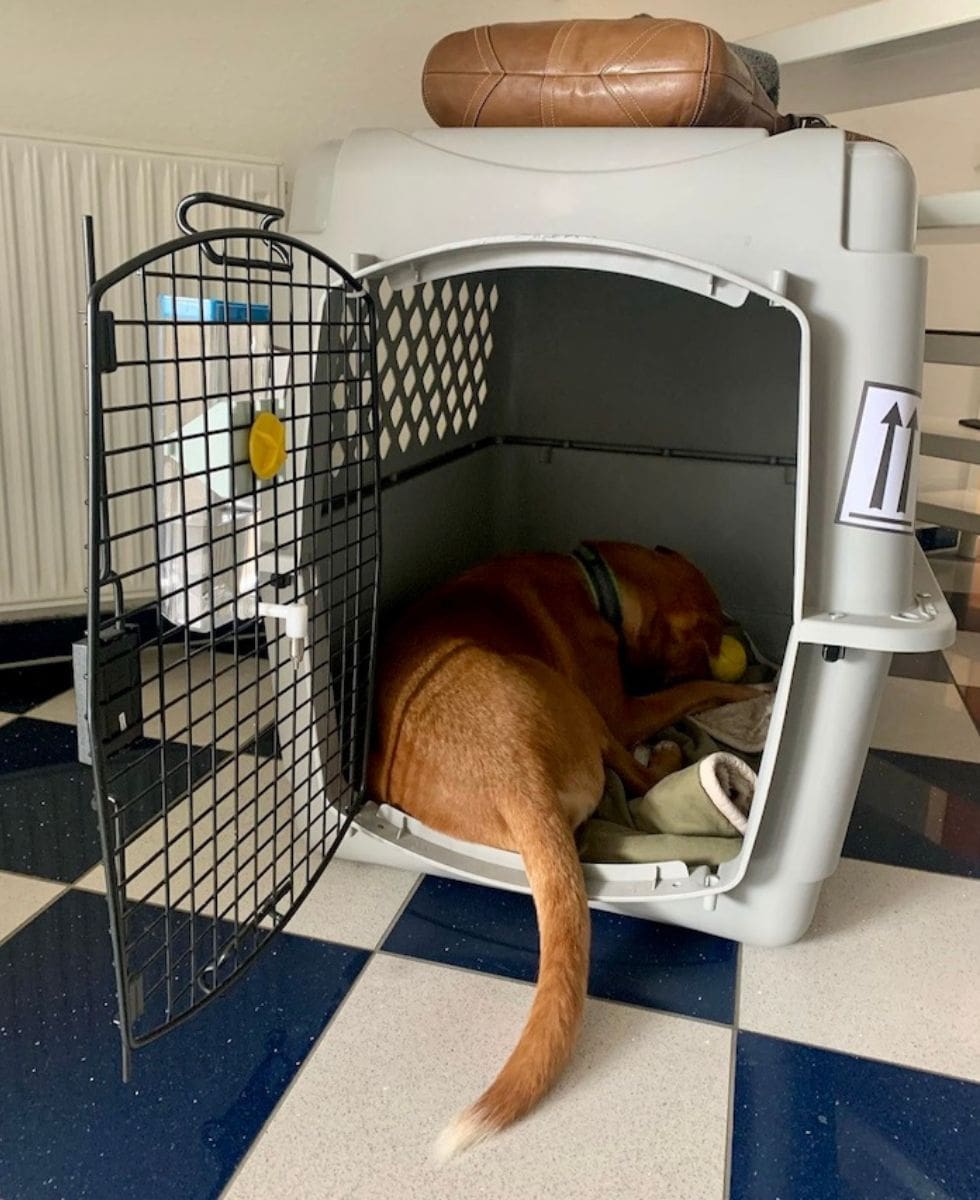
{"x": 879, "y": 484}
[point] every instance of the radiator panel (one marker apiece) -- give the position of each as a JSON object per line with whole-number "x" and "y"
{"x": 46, "y": 187}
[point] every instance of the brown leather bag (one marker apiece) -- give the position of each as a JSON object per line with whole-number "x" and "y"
{"x": 641, "y": 71}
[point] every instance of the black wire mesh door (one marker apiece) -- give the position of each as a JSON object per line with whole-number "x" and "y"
{"x": 234, "y": 558}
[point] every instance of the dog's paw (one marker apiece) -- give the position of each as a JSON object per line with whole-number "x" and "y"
{"x": 665, "y": 758}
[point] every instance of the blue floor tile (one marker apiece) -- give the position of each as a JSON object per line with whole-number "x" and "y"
{"x": 932, "y": 667}
{"x": 971, "y": 698}
{"x": 633, "y": 961}
{"x": 48, "y": 826}
{"x": 937, "y": 537}
{"x": 916, "y": 811}
{"x": 811, "y": 1124}
{"x": 21, "y": 688}
{"x": 966, "y": 610}
{"x": 946, "y": 774}
{"x": 69, "y": 1127}
{"x": 26, "y": 744}
{"x": 48, "y": 637}
{"x": 663, "y": 967}
{"x": 265, "y": 745}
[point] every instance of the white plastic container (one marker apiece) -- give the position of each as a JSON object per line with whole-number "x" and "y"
{"x": 208, "y": 500}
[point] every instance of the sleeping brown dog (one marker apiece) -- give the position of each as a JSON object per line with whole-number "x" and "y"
{"x": 500, "y": 696}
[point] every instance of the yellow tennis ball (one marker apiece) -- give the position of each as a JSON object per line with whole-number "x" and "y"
{"x": 730, "y": 663}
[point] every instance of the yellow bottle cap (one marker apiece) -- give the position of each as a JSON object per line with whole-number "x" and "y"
{"x": 267, "y": 445}
{"x": 730, "y": 663}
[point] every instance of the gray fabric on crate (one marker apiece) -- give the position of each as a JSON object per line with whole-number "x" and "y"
{"x": 764, "y": 67}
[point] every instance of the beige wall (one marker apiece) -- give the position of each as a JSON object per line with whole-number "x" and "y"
{"x": 265, "y": 77}
{"x": 272, "y": 78}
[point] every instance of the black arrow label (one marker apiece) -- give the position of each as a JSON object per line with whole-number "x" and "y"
{"x": 893, "y": 419}
{"x": 903, "y": 496}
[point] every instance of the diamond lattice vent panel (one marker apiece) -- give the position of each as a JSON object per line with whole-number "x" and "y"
{"x": 434, "y": 344}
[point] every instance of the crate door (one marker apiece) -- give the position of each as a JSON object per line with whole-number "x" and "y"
{"x": 234, "y": 556}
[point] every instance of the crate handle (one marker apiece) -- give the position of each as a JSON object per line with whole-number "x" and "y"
{"x": 270, "y": 214}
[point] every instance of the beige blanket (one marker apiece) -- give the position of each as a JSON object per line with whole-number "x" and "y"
{"x": 697, "y": 815}
{"x": 742, "y": 726}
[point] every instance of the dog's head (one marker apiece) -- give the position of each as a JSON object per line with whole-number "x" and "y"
{"x": 672, "y": 620}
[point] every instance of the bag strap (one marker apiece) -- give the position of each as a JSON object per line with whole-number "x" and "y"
{"x": 816, "y": 121}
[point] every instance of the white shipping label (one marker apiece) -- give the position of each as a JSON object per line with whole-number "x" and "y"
{"x": 880, "y": 481}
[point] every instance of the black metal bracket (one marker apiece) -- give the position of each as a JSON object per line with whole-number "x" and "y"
{"x": 105, "y": 342}
{"x": 117, "y": 719}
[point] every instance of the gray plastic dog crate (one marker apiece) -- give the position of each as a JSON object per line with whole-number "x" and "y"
{"x": 475, "y": 342}
{"x": 710, "y": 339}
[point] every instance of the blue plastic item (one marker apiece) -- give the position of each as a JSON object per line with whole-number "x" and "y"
{"x": 189, "y": 308}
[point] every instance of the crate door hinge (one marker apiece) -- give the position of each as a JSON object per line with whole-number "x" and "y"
{"x": 105, "y": 343}
{"x": 295, "y": 617}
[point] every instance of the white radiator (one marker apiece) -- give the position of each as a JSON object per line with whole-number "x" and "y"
{"x": 46, "y": 187}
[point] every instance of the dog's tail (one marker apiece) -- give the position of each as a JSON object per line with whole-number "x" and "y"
{"x": 547, "y": 1040}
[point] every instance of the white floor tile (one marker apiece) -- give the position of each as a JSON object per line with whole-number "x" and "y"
{"x": 205, "y": 704}
{"x": 234, "y": 849}
{"x": 964, "y": 659}
{"x": 353, "y": 903}
{"x": 890, "y": 970}
{"x": 640, "y": 1112}
{"x": 21, "y": 896}
{"x": 58, "y": 708}
{"x": 919, "y": 717}
{"x": 208, "y": 712}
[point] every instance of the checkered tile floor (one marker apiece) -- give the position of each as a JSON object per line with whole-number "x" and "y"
{"x": 845, "y": 1067}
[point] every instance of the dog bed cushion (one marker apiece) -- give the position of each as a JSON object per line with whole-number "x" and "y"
{"x": 696, "y": 815}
